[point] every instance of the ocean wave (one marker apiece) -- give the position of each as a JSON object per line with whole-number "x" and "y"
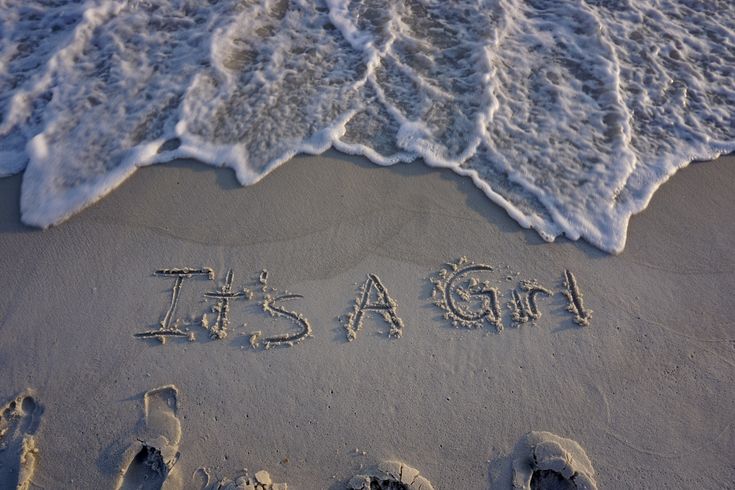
{"x": 568, "y": 114}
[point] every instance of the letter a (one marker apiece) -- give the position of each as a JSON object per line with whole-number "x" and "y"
{"x": 381, "y": 302}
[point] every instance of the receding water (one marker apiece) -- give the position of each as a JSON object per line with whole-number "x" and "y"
{"x": 569, "y": 114}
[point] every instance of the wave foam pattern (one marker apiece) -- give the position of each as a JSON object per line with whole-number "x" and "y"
{"x": 567, "y": 114}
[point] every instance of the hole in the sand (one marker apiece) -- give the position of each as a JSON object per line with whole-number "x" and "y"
{"x": 146, "y": 471}
{"x": 550, "y": 480}
{"x": 28, "y": 405}
{"x": 378, "y": 484}
{"x": 150, "y": 458}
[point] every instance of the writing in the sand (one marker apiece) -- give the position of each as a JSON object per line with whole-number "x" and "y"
{"x": 463, "y": 290}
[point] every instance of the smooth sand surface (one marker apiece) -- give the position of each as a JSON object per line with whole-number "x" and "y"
{"x": 647, "y": 389}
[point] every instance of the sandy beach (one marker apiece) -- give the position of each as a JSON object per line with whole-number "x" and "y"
{"x": 646, "y": 388}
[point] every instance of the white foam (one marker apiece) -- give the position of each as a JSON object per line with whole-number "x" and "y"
{"x": 567, "y": 114}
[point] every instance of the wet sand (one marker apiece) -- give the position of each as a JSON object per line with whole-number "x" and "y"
{"x": 646, "y": 389}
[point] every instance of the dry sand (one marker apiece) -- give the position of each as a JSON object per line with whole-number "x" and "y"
{"x": 647, "y": 389}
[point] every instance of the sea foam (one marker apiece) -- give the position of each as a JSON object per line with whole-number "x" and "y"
{"x": 569, "y": 114}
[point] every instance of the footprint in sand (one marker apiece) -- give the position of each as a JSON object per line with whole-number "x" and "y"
{"x": 148, "y": 463}
{"x": 19, "y": 421}
{"x": 545, "y": 461}
{"x": 390, "y": 475}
